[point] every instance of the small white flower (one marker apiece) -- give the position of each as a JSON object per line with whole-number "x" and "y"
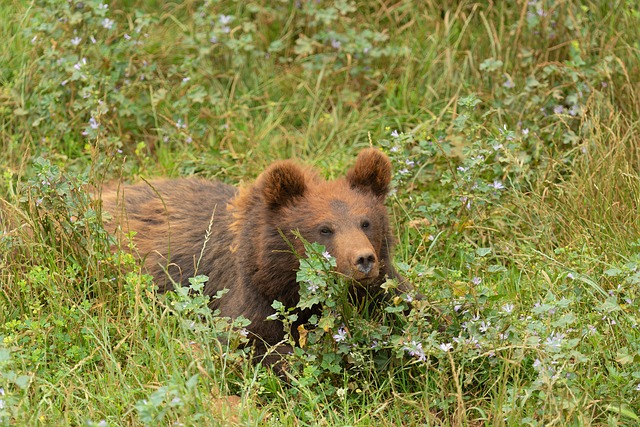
{"x": 508, "y": 308}
{"x": 484, "y": 326}
{"x": 76, "y": 41}
{"x": 395, "y": 134}
{"x": 225, "y": 19}
{"x": 570, "y": 276}
{"x": 446, "y": 347}
{"x": 476, "y": 280}
{"x": 326, "y": 255}
{"x": 341, "y": 335}
{"x": 107, "y": 23}
{"x": 94, "y": 123}
{"x": 497, "y": 185}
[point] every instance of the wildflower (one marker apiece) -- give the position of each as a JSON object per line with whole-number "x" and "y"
{"x": 496, "y": 147}
{"x": 93, "y": 39}
{"x": 554, "y": 341}
{"x": 395, "y": 133}
{"x": 127, "y": 36}
{"x": 225, "y": 19}
{"x": 104, "y": 6}
{"x": 341, "y": 335}
{"x": 341, "y": 392}
{"x": 570, "y": 276}
{"x": 180, "y": 125}
{"x": 76, "y": 41}
{"x": 476, "y": 280}
{"x": 558, "y": 109}
{"x": 497, "y": 185}
{"x": 414, "y": 348}
{"x": 462, "y": 169}
{"x": 508, "y": 308}
{"x": 186, "y": 79}
{"x": 638, "y": 387}
{"x": 336, "y": 44}
{"x": 78, "y": 66}
{"x": 508, "y": 84}
{"x": 213, "y": 40}
{"x": 93, "y": 123}
{"x": 326, "y": 255}
{"x": 484, "y": 326}
{"x": 525, "y": 131}
{"x": 409, "y": 163}
{"x": 403, "y": 171}
{"x": 107, "y": 23}
{"x": 446, "y": 347}
{"x": 312, "y": 287}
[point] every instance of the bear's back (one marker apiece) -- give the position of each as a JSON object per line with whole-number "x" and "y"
{"x": 174, "y": 221}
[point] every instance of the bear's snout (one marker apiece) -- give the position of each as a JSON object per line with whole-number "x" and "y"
{"x": 365, "y": 262}
{"x": 363, "y": 265}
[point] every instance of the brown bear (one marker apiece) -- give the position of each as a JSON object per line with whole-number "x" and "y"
{"x": 245, "y": 251}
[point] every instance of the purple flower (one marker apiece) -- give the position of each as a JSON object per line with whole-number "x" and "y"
{"x": 414, "y": 348}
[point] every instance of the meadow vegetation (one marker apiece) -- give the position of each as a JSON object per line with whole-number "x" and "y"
{"x": 513, "y": 128}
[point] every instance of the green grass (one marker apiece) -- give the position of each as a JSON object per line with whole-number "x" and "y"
{"x": 517, "y": 215}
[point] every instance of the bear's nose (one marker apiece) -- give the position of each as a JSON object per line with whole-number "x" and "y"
{"x": 365, "y": 262}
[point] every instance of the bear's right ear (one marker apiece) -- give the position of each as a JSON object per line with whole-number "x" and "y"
{"x": 281, "y": 183}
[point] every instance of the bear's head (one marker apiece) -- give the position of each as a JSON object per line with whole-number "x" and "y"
{"x": 347, "y": 215}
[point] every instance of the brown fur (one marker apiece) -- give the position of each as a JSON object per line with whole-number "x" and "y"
{"x": 246, "y": 252}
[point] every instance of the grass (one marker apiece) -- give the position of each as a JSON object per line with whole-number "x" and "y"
{"x": 513, "y": 129}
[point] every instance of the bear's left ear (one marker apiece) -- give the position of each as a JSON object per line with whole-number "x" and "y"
{"x": 372, "y": 172}
{"x": 281, "y": 183}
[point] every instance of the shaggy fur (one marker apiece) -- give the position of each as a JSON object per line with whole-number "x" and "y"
{"x": 246, "y": 252}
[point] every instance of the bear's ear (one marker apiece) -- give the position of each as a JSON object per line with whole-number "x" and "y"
{"x": 372, "y": 172}
{"x": 281, "y": 183}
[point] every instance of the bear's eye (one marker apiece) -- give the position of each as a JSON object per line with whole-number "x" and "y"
{"x": 365, "y": 224}
{"x": 326, "y": 231}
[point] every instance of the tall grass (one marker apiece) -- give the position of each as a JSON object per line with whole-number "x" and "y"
{"x": 513, "y": 129}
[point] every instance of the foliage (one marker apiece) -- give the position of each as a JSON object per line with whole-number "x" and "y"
{"x": 513, "y": 132}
